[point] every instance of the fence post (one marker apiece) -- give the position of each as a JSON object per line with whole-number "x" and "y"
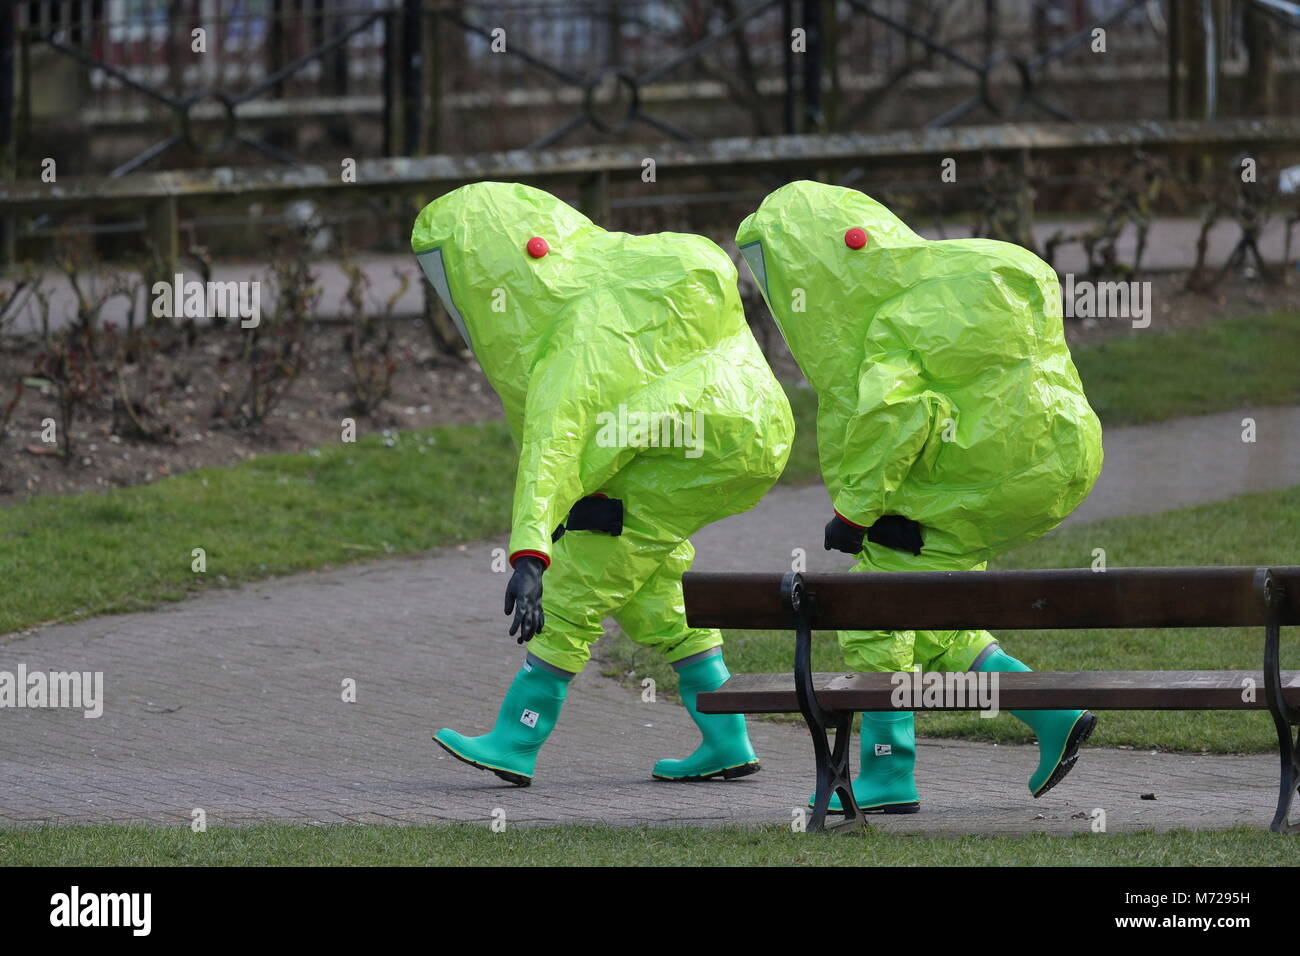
{"x": 275, "y": 51}
{"x": 830, "y": 48}
{"x": 1195, "y": 58}
{"x": 431, "y": 94}
{"x": 812, "y": 67}
{"x": 593, "y": 197}
{"x": 787, "y": 65}
{"x": 392, "y": 86}
{"x": 1261, "y": 72}
{"x": 427, "y": 95}
{"x": 161, "y": 229}
{"x": 412, "y": 67}
{"x": 8, "y": 145}
{"x": 1021, "y": 163}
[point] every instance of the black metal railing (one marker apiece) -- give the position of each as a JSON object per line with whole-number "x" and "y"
{"x": 296, "y": 79}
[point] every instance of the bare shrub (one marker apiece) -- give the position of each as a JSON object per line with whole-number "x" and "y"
{"x": 368, "y": 341}
{"x": 270, "y": 355}
{"x": 72, "y": 368}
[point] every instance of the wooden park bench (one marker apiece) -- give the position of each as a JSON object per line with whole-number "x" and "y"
{"x": 1003, "y": 600}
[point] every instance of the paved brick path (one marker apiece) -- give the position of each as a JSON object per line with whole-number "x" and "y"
{"x": 232, "y": 702}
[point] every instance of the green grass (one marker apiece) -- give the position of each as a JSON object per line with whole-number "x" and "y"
{"x": 1248, "y": 530}
{"x": 1232, "y": 363}
{"x": 803, "y": 465}
{"x": 128, "y": 549}
{"x": 71, "y": 556}
{"x": 78, "y": 555}
{"x": 476, "y": 845}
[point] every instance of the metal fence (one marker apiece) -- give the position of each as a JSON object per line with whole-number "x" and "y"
{"x": 593, "y": 172}
{"x": 292, "y": 80}
{"x": 284, "y": 88}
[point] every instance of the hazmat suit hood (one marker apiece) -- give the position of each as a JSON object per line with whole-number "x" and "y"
{"x": 472, "y": 245}
{"x": 774, "y": 243}
{"x": 945, "y": 387}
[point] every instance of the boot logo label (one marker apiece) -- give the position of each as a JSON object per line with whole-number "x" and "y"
{"x": 529, "y": 718}
{"x": 884, "y": 750}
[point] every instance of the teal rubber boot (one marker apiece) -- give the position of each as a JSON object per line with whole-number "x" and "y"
{"x": 726, "y": 751}
{"x": 527, "y": 716}
{"x": 885, "y": 782}
{"x": 1060, "y": 733}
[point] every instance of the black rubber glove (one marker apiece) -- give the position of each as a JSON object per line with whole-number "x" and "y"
{"x": 897, "y": 532}
{"x": 524, "y": 598}
{"x": 842, "y": 536}
{"x": 891, "y": 531}
{"x": 596, "y": 513}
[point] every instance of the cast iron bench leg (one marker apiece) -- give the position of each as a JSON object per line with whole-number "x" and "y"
{"x": 832, "y": 764}
{"x": 1284, "y": 717}
{"x": 1287, "y": 787}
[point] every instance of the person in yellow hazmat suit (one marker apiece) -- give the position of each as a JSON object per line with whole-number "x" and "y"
{"x": 951, "y": 425}
{"x": 643, "y": 411}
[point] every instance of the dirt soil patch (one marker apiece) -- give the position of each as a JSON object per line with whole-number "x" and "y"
{"x": 428, "y": 389}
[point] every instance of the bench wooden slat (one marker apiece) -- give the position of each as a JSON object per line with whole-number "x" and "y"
{"x": 1036, "y": 690}
{"x": 1055, "y": 599}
